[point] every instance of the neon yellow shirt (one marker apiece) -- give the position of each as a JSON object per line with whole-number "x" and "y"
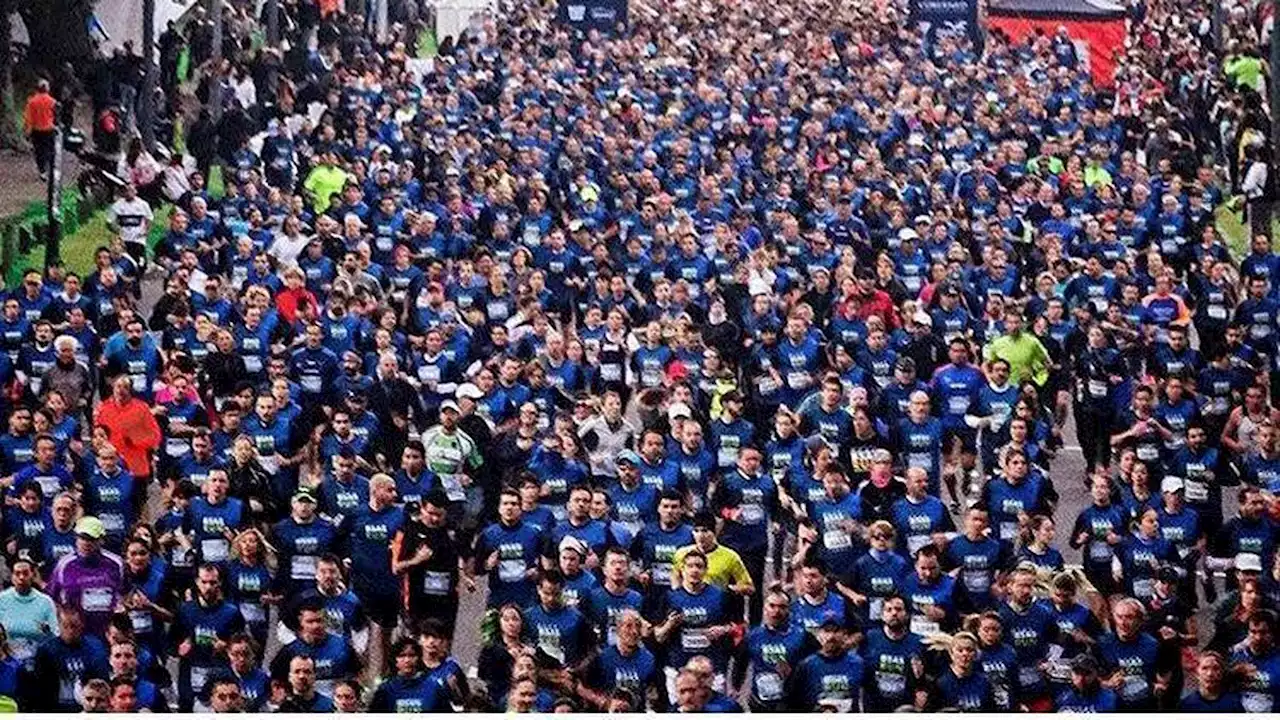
{"x": 1027, "y": 358}
{"x": 724, "y": 566}
{"x": 322, "y": 183}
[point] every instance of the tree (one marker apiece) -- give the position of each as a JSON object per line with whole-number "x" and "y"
{"x": 59, "y": 31}
{"x": 11, "y": 137}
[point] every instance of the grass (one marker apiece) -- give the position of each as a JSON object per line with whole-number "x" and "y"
{"x": 79, "y": 247}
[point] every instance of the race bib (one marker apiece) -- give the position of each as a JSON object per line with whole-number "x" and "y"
{"x": 302, "y": 567}
{"x": 1100, "y": 552}
{"x": 875, "y": 609}
{"x": 214, "y": 549}
{"x": 453, "y": 488}
{"x": 177, "y": 447}
{"x": 1144, "y": 588}
{"x": 1135, "y": 687}
{"x": 693, "y": 639}
{"x": 253, "y": 613}
{"x": 97, "y": 600}
{"x": 1257, "y": 702}
{"x": 199, "y": 678}
{"x": 923, "y": 626}
{"x": 511, "y": 570}
{"x": 769, "y": 686}
{"x": 891, "y": 684}
{"x": 836, "y": 539}
{"x": 915, "y": 542}
{"x": 435, "y": 583}
{"x": 976, "y": 581}
{"x": 1008, "y": 530}
{"x": 141, "y": 620}
{"x": 1197, "y": 491}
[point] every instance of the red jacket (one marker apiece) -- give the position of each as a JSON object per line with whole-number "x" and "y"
{"x": 288, "y": 300}
{"x": 878, "y": 303}
{"x": 133, "y": 430}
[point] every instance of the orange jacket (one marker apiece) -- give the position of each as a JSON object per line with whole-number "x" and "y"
{"x": 133, "y": 430}
{"x": 40, "y": 113}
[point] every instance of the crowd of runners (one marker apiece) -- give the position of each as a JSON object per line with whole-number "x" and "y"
{"x": 727, "y": 358}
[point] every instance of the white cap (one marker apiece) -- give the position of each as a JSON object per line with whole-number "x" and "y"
{"x": 469, "y": 391}
{"x": 908, "y": 234}
{"x": 1171, "y": 484}
{"x": 1248, "y": 562}
{"x": 678, "y": 410}
{"x": 572, "y": 543}
{"x": 922, "y": 318}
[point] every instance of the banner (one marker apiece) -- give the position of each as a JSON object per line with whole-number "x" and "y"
{"x": 939, "y": 19}
{"x": 602, "y": 15}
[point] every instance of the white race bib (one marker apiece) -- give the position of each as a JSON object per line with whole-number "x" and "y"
{"x": 692, "y": 639}
{"x": 96, "y": 600}
{"x": 511, "y": 570}
{"x": 1197, "y": 491}
{"x": 769, "y": 686}
{"x": 302, "y": 567}
{"x": 920, "y": 625}
{"x": 216, "y": 550}
{"x": 836, "y": 539}
{"x": 435, "y": 583}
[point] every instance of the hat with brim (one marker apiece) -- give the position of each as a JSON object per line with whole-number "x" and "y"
{"x": 91, "y": 528}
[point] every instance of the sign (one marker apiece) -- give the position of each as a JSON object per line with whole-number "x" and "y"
{"x": 602, "y": 15}
{"x": 940, "y": 19}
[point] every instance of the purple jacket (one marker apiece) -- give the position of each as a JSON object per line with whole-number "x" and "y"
{"x": 91, "y": 583}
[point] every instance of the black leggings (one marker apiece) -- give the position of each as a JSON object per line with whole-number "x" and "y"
{"x": 1092, "y": 430}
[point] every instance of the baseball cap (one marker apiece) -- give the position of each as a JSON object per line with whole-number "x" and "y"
{"x": 469, "y": 391}
{"x": 572, "y": 543}
{"x": 922, "y": 318}
{"x": 1171, "y": 484}
{"x": 679, "y": 410}
{"x": 90, "y": 527}
{"x": 449, "y": 405}
{"x": 628, "y": 456}
{"x": 1245, "y": 562}
{"x": 304, "y": 495}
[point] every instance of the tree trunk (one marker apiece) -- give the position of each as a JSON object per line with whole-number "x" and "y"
{"x": 10, "y": 133}
{"x": 59, "y": 30}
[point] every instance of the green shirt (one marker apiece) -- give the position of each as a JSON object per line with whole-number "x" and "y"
{"x": 1027, "y": 358}
{"x": 1096, "y": 175}
{"x": 1244, "y": 71}
{"x": 322, "y": 183}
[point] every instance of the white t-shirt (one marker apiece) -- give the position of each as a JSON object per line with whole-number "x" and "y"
{"x": 133, "y": 217}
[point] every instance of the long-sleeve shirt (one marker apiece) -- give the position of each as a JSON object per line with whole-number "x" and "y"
{"x": 133, "y": 430}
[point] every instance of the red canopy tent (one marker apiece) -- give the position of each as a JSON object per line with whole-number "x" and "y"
{"x": 1096, "y": 27}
